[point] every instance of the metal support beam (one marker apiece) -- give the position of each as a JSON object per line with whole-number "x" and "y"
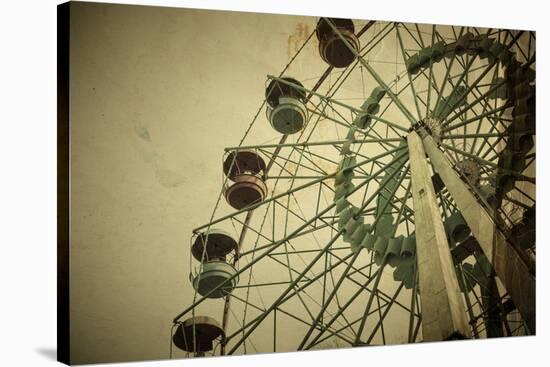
{"x": 443, "y": 312}
{"x": 374, "y": 74}
{"x": 510, "y": 267}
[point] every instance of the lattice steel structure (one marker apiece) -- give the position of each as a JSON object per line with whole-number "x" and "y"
{"x": 397, "y": 204}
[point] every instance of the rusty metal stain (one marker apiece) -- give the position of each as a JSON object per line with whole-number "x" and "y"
{"x": 297, "y": 38}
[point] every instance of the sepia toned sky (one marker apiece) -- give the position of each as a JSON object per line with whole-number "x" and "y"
{"x": 152, "y": 107}
{"x": 156, "y": 95}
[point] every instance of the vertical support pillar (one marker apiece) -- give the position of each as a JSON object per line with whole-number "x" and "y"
{"x": 443, "y": 312}
{"x": 491, "y": 300}
{"x": 509, "y": 267}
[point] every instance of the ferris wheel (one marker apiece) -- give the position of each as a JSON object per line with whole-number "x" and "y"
{"x": 395, "y": 203}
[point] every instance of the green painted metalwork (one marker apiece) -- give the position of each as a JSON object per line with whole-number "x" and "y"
{"x": 380, "y": 225}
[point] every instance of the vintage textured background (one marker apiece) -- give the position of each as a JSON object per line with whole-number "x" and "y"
{"x": 29, "y": 180}
{"x": 156, "y": 94}
{"x": 152, "y": 106}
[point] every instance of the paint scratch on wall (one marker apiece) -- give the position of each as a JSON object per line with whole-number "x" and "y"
{"x": 164, "y": 175}
{"x": 143, "y": 133}
{"x": 297, "y": 38}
